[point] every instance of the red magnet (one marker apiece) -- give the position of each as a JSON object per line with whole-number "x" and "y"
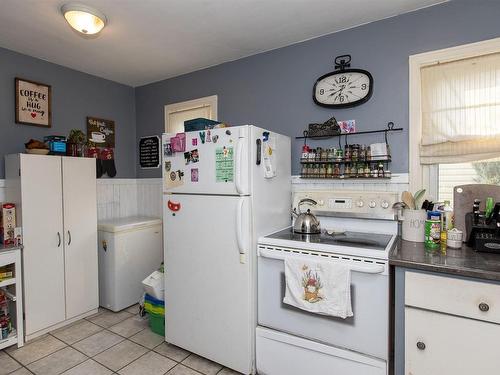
{"x": 173, "y": 206}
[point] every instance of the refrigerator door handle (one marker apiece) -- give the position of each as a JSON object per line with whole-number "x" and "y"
{"x": 239, "y": 230}
{"x": 237, "y": 172}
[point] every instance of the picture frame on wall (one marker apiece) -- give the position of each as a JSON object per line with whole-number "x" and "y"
{"x": 33, "y": 103}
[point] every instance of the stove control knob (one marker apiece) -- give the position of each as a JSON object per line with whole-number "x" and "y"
{"x": 372, "y": 204}
{"x": 321, "y": 202}
{"x": 360, "y": 203}
{"x": 384, "y": 204}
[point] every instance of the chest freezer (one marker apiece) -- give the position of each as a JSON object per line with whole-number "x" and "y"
{"x": 129, "y": 250}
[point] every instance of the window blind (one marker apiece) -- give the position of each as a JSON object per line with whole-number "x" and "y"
{"x": 461, "y": 110}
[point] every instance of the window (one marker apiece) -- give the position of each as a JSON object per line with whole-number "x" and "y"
{"x": 455, "y": 118}
{"x": 176, "y": 114}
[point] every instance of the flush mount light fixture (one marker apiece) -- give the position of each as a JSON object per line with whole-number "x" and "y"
{"x": 83, "y": 18}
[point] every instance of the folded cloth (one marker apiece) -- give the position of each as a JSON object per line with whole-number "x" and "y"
{"x": 319, "y": 287}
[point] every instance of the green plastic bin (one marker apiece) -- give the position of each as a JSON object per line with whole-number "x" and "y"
{"x": 157, "y": 323}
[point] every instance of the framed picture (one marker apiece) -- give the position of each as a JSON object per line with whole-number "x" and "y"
{"x": 33, "y": 103}
{"x": 101, "y": 132}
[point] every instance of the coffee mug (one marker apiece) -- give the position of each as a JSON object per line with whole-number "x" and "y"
{"x": 98, "y": 137}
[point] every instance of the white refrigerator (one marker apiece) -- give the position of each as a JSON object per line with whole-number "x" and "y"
{"x": 227, "y": 187}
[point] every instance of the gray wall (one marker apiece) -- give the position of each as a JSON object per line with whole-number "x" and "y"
{"x": 75, "y": 96}
{"x": 273, "y": 89}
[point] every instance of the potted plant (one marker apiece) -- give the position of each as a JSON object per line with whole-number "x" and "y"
{"x": 76, "y": 143}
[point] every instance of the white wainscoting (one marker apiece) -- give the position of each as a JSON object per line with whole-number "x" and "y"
{"x": 123, "y": 197}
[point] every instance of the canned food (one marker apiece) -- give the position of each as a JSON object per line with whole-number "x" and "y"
{"x": 434, "y": 215}
{"x": 432, "y": 234}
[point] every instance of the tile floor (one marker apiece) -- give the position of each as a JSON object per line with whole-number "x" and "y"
{"x": 105, "y": 343}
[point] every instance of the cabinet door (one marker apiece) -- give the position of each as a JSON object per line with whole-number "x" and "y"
{"x": 80, "y": 234}
{"x": 43, "y": 258}
{"x": 438, "y": 344}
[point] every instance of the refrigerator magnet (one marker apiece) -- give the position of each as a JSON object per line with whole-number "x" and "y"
{"x": 191, "y": 156}
{"x": 202, "y": 137}
{"x": 215, "y": 138}
{"x": 208, "y": 137}
{"x": 167, "y": 150}
{"x": 174, "y": 179}
{"x": 194, "y": 141}
{"x": 194, "y": 175}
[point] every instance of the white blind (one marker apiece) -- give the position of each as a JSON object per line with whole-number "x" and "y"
{"x": 461, "y": 110}
{"x": 176, "y": 119}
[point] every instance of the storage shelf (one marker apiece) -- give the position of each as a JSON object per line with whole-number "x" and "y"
{"x": 343, "y": 161}
{"x": 8, "y": 282}
{"x": 10, "y": 340}
{"x": 390, "y": 128}
{"x": 344, "y": 178}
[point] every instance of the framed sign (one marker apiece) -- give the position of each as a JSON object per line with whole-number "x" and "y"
{"x": 101, "y": 132}
{"x": 33, "y": 103}
{"x": 149, "y": 152}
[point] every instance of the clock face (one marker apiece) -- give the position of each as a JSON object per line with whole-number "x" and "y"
{"x": 345, "y": 88}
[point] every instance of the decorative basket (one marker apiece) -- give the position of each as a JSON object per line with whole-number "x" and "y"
{"x": 330, "y": 127}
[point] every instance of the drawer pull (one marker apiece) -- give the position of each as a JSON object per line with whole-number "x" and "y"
{"x": 484, "y": 307}
{"x": 420, "y": 345}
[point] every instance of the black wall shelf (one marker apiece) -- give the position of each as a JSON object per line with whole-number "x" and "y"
{"x": 390, "y": 128}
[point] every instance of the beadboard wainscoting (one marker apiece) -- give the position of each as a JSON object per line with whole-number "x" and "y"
{"x": 129, "y": 197}
{"x": 123, "y": 197}
{"x": 398, "y": 183}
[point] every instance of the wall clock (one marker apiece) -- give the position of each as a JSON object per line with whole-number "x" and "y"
{"x": 344, "y": 87}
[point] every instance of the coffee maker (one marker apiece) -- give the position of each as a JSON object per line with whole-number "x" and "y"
{"x": 483, "y": 229}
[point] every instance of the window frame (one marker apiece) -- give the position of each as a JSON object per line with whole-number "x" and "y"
{"x": 207, "y": 101}
{"x": 426, "y": 176}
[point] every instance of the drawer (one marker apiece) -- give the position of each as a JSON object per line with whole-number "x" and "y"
{"x": 440, "y": 344}
{"x": 471, "y": 299}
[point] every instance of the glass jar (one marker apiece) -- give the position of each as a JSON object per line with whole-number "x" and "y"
{"x": 322, "y": 170}
{"x": 331, "y": 154}
{"x": 367, "y": 172}
{"x": 347, "y": 153}
{"x": 329, "y": 171}
{"x": 355, "y": 152}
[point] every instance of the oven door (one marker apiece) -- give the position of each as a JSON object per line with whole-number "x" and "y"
{"x": 366, "y": 332}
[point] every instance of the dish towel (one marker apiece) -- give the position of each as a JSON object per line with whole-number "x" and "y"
{"x": 318, "y": 287}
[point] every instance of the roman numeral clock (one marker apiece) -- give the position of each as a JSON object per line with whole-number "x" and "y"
{"x": 344, "y": 87}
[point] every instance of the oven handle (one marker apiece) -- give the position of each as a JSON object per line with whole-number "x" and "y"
{"x": 364, "y": 268}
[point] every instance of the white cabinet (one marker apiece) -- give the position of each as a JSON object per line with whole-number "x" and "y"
{"x": 438, "y": 344}
{"x": 56, "y": 200}
{"x": 450, "y": 326}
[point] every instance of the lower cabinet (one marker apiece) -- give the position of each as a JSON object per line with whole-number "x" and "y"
{"x": 439, "y": 344}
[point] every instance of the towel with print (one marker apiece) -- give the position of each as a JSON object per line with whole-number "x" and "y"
{"x": 319, "y": 287}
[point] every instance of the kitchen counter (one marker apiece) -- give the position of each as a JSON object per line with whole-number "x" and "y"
{"x": 461, "y": 262}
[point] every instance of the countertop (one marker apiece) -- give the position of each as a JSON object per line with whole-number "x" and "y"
{"x": 462, "y": 262}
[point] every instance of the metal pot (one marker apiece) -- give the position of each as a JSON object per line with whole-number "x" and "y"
{"x": 305, "y": 222}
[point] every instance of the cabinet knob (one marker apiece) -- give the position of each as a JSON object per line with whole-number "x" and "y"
{"x": 420, "y": 345}
{"x": 484, "y": 307}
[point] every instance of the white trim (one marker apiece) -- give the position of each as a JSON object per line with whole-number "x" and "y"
{"x": 421, "y": 176}
{"x": 207, "y": 101}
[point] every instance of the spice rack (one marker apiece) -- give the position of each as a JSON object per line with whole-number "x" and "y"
{"x": 354, "y": 161}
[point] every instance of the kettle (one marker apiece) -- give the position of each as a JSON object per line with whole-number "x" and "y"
{"x": 305, "y": 222}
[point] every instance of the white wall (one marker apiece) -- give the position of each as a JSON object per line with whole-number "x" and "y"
{"x": 124, "y": 197}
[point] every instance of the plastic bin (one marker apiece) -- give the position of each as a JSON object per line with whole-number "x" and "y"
{"x": 154, "y": 285}
{"x": 157, "y": 323}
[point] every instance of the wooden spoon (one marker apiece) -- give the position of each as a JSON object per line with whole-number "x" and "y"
{"x": 408, "y": 199}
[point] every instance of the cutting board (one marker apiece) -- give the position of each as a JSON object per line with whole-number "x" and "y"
{"x": 463, "y": 198}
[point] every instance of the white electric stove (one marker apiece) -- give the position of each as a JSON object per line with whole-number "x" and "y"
{"x": 358, "y": 229}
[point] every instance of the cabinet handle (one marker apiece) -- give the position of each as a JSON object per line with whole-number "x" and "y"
{"x": 484, "y": 307}
{"x": 59, "y": 237}
{"x": 69, "y": 238}
{"x": 420, "y": 345}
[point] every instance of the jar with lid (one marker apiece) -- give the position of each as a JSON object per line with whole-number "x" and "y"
{"x": 367, "y": 172}
{"x": 355, "y": 152}
{"x": 324, "y": 155}
{"x": 304, "y": 169}
{"x": 318, "y": 154}
{"x": 380, "y": 170}
{"x": 361, "y": 170}
{"x": 329, "y": 171}
{"x": 362, "y": 153}
{"x": 368, "y": 153}
{"x": 347, "y": 153}
{"x": 322, "y": 170}
{"x": 347, "y": 171}
{"x": 336, "y": 171}
{"x": 331, "y": 154}
{"x": 316, "y": 170}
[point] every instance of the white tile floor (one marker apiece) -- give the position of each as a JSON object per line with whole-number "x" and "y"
{"x": 106, "y": 343}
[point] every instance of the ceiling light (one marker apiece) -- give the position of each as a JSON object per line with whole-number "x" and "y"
{"x": 83, "y": 18}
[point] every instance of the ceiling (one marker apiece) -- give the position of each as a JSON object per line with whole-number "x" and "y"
{"x": 149, "y": 40}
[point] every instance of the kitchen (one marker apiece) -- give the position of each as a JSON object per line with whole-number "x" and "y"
{"x": 269, "y": 85}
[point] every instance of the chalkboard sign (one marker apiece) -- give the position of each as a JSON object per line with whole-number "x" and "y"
{"x": 149, "y": 152}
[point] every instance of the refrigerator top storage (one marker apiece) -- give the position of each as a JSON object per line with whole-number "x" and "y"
{"x": 217, "y": 161}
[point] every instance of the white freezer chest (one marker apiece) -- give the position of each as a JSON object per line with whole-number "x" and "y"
{"x": 129, "y": 250}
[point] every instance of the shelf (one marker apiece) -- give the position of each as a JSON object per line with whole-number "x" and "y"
{"x": 350, "y": 178}
{"x": 372, "y": 161}
{"x": 9, "y": 295}
{"x": 8, "y": 282}
{"x": 10, "y": 340}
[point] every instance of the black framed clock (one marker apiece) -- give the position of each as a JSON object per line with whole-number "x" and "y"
{"x": 344, "y": 87}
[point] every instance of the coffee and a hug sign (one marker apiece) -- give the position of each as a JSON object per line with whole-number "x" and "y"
{"x": 33, "y": 103}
